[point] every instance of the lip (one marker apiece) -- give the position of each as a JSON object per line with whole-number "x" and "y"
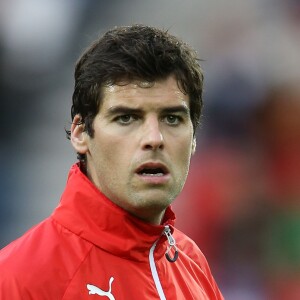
{"x": 152, "y": 179}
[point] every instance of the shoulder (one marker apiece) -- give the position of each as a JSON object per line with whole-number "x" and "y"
{"x": 191, "y": 250}
{"x": 47, "y": 253}
{"x": 187, "y": 245}
{"x": 195, "y": 259}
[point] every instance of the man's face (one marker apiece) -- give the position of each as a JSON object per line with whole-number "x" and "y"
{"x": 140, "y": 153}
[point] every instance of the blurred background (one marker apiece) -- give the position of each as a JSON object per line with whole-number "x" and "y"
{"x": 241, "y": 203}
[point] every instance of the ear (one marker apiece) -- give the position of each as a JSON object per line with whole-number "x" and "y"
{"x": 194, "y": 143}
{"x": 79, "y": 136}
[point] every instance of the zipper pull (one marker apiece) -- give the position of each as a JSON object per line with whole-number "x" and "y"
{"x": 172, "y": 244}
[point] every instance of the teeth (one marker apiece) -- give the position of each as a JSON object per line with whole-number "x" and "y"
{"x": 153, "y": 174}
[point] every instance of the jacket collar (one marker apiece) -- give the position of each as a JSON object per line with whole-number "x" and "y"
{"x": 87, "y": 212}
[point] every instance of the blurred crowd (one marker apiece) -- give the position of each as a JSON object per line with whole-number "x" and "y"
{"x": 241, "y": 203}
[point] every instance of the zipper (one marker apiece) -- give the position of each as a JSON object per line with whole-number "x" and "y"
{"x": 172, "y": 245}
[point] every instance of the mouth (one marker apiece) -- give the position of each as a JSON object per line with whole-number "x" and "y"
{"x": 152, "y": 169}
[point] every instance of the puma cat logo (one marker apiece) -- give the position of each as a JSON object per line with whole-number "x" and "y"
{"x": 94, "y": 290}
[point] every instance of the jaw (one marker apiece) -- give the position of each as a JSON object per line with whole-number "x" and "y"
{"x": 149, "y": 211}
{"x": 151, "y": 199}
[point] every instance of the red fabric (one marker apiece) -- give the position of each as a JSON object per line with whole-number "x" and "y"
{"x": 89, "y": 240}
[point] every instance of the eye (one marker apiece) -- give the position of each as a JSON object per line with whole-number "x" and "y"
{"x": 125, "y": 119}
{"x": 172, "y": 119}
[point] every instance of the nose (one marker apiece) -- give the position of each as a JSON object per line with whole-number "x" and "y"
{"x": 152, "y": 137}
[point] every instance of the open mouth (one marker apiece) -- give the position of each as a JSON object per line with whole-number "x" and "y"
{"x": 153, "y": 170}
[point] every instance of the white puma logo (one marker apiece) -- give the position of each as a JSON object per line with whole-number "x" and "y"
{"x": 94, "y": 290}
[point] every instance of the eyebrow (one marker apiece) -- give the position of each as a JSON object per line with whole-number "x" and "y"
{"x": 121, "y": 109}
{"x": 177, "y": 109}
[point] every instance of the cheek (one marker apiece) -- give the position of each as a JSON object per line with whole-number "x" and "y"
{"x": 100, "y": 153}
{"x": 182, "y": 156}
{"x": 110, "y": 154}
{"x": 185, "y": 146}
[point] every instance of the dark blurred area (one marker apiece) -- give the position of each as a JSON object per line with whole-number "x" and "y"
{"x": 241, "y": 203}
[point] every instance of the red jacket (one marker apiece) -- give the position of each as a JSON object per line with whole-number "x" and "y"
{"x": 89, "y": 248}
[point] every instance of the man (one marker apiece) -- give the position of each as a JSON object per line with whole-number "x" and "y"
{"x": 136, "y": 106}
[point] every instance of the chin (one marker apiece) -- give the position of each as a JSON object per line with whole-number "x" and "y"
{"x": 153, "y": 201}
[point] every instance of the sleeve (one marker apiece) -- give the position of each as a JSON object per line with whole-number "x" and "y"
{"x": 206, "y": 269}
{"x": 189, "y": 247}
{"x": 10, "y": 288}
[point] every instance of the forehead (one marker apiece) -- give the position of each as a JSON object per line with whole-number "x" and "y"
{"x": 139, "y": 92}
